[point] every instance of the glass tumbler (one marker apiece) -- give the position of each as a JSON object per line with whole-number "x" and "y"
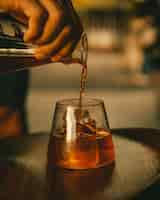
{"x": 80, "y": 137}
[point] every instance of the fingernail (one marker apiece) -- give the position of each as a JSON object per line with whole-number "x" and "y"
{"x": 56, "y": 58}
{"x": 39, "y": 56}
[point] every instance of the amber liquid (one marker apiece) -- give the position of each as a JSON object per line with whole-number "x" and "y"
{"x": 83, "y": 84}
{"x": 88, "y": 151}
{"x": 84, "y": 59}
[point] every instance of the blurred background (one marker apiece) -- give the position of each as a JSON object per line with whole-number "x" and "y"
{"x": 124, "y": 66}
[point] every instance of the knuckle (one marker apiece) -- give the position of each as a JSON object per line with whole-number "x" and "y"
{"x": 57, "y": 16}
{"x": 39, "y": 12}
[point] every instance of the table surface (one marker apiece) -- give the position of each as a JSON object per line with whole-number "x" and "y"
{"x": 25, "y": 175}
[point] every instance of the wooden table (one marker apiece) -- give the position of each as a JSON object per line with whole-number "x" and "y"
{"x": 24, "y": 174}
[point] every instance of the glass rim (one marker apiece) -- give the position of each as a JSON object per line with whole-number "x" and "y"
{"x": 86, "y": 102}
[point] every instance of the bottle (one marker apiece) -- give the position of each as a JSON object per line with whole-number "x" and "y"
{"x": 16, "y": 55}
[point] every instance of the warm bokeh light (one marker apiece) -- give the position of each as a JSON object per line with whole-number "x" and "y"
{"x": 82, "y": 4}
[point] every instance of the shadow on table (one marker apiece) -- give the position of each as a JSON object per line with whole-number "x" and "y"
{"x": 149, "y": 137}
{"x": 8, "y": 148}
{"x": 19, "y": 183}
{"x": 71, "y": 185}
{"x": 150, "y": 193}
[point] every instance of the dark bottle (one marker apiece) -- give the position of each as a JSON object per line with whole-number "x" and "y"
{"x": 15, "y": 54}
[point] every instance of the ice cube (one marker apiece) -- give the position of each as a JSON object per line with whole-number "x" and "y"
{"x": 102, "y": 132}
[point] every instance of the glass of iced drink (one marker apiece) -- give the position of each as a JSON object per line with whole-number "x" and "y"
{"x": 80, "y": 136}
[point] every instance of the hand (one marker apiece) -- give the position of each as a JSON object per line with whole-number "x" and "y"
{"x": 52, "y": 24}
